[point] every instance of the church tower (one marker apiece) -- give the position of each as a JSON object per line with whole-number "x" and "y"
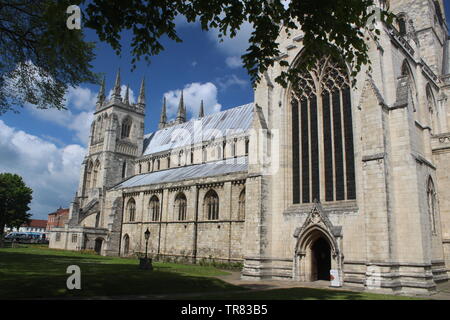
{"x": 116, "y": 139}
{"x": 425, "y": 23}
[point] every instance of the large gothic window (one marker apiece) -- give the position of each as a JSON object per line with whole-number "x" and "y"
{"x": 322, "y": 135}
{"x": 211, "y": 205}
{"x": 131, "y": 210}
{"x": 154, "y": 208}
{"x": 431, "y": 196}
{"x": 180, "y": 206}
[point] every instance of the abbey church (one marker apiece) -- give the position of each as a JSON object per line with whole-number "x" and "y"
{"x": 318, "y": 176}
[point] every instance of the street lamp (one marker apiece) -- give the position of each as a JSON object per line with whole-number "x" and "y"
{"x": 146, "y": 263}
{"x": 147, "y": 236}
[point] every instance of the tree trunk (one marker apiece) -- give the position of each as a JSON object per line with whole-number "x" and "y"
{"x": 2, "y": 231}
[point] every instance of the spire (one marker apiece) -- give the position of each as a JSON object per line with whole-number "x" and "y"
{"x": 116, "y": 92}
{"x": 126, "y": 100}
{"x": 181, "y": 114}
{"x": 141, "y": 99}
{"x": 201, "y": 113}
{"x": 101, "y": 94}
{"x": 163, "y": 118}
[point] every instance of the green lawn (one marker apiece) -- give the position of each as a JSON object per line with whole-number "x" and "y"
{"x": 33, "y": 271}
{"x": 37, "y": 272}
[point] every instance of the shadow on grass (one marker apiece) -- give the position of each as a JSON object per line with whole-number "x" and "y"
{"x": 39, "y": 275}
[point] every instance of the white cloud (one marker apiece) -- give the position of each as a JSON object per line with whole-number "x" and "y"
{"x": 233, "y": 62}
{"x": 81, "y": 98}
{"x": 231, "y": 80}
{"x": 193, "y": 93}
{"x": 80, "y": 104}
{"x": 51, "y": 172}
{"x": 235, "y": 46}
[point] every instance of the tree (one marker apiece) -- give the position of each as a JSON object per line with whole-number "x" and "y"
{"x": 34, "y": 31}
{"x": 39, "y": 57}
{"x": 14, "y": 199}
{"x": 331, "y": 27}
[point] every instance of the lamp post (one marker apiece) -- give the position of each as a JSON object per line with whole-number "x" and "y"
{"x": 147, "y": 236}
{"x": 146, "y": 263}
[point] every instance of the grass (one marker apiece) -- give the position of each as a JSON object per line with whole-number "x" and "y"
{"x": 34, "y": 271}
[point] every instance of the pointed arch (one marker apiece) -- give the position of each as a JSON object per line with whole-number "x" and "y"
{"x": 432, "y": 204}
{"x": 89, "y": 168}
{"x": 95, "y": 173}
{"x": 126, "y": 244}
{"x": 432, "y": 109}
{"x": 126, "y": 127}
{"x": 181, "y": 206}
{"x": 241, "y": 212}
{"x": 131, "y": 210}
{"x": 321, "y": 132}
{"x": 406, "y": 71}
{"x": 211, "y": 205}
{"x": 153, "y": 207}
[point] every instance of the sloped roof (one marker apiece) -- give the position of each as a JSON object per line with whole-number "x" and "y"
{"x": 217, "y": 125}
{"x": 210, "y": 169}
{"x": 34, "y": 223}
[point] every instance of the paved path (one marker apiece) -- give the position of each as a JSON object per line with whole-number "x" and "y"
{"x": 443, "y": 289}
{"x": 259, "y": 285}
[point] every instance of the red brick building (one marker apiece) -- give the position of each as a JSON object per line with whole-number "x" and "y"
{"x": 57, "y": 218}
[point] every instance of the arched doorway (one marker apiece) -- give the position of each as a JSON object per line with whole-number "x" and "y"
{"x": 321, "y": 260}
{"x": 98, "y": 245}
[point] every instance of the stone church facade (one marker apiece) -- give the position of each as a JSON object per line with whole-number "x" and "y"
{"x": 310, "y": 178}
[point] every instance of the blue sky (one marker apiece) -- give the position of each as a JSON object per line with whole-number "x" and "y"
{"x": 47, "y": 147}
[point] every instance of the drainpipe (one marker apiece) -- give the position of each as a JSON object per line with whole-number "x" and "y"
{"x": 194, "y": 251}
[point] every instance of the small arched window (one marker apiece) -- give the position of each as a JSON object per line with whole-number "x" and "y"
{"x": 180, "y": 155}
{"x": 431, "y": 197}
{"x": 219, "y": 152}
{"x": 432, "y": 112}
{"x": 406, "y": 72}
{"x": 181, "y": 206}
{"x": 89, "y": 169}
{"x": 211, "y": 205}
{"x": 126, "y": 127}
{"x": 204, "y": 154}
{"x": 154, "y": 208}
{"x": 192, "y": 156}
{"x": 126, "y": 244}
{"x": 246, "y": 147}
{"x": 241, "y": 214}
{"x": 401, "y": 20}
{"x": 95, "y": 175}
{"x": 124, "y": 169}
{"x": 131, "y": 210}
